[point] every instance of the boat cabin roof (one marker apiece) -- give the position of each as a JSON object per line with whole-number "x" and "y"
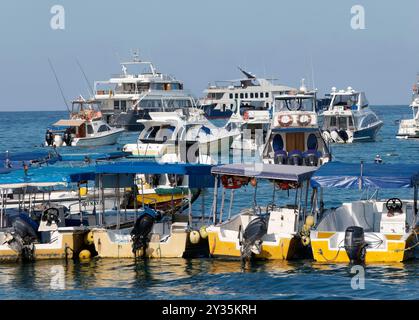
{"x": 266, "y": 171}
{"x": 369, "y": 175}
{"x": 69, "y": 123}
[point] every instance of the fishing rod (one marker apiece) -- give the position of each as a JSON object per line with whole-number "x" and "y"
{"x": 58, "y": 83}
{"x": 85, "y": 78}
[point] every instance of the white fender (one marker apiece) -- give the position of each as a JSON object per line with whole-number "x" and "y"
{"x": 350, "y": 136}
{"x": 326, "y": 136}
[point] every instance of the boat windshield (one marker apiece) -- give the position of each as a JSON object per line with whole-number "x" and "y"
{"x": 294, "y": 104}
{"x": 346, "y": 100}
{"x": 415, "y": 111}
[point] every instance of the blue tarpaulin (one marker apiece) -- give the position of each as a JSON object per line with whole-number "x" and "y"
{"x": 45, "y": 176}
{"x": 372, "y": 175}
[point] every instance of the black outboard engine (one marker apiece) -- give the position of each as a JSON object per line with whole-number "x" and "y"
{"x": 295, "y": 158}
{"x": 280, "y": 157}
{"x": 67, "y": 137}
{"x": 343, "y": 135}
{"x": 252, "y": 237}
{"x": 142, "y": 228}
{"x": 311, "y": 158}
{"x": 22, "y": 238}
{"x": 49, "y": 138}
{"x": 355, "y": 244}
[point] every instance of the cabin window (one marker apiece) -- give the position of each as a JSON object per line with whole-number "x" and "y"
{"x": 151, "y": 132}
{"x": 312, "y": 142}
{"x": 261, "y": 94}
{"x": 231, "y": 106}
{"x": 124, "y": 105}
{"x": 116, "y": 104}
{"x": 241, "y": 95}
{"x": 277, "y": 143}
{"x": 342, "y": 123}
{"x": 257, "y": 95}
{"x": 231, "y": 96}
{"x": 165, "y": 132}
{"x": 224, "y": 107}
{"x": 251, "y": 95}
{"x": 89, "y": 129}
{"x": 266, "y": 94}
{"x": 103, "y": 128}
{"x": 245, "y": 95}
{"x": 333, "y": 121}
{"x": 236, "y": 95}
{"x": 351, "y": 122}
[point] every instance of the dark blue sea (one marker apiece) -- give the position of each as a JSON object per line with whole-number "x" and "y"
{"x": 213, "y": 278}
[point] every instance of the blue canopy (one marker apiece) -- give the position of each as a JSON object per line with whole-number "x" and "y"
{"x": 44, "y": 176}
{"x": 379, "y": 176}
{"x": 94, "y": 156}
{"x": 199, "y": 174}
{"x": 266, "y": 171}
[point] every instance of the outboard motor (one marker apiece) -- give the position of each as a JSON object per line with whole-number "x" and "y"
{"x": 49, "y": 138}
{"x": 343, "y": 135}
{"x": 142, "y": 228}
{"x": 280, "y": 157}
{"x": 355, "y": 244}
{"x": 252, "y": 237}
{"x": 22, "y": 237}
{"x": 67, "y": 138}
{"x": 311, "y": 158}
{"x": 295, "y": 158}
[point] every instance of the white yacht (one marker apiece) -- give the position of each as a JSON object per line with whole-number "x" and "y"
{"x": 409, "y": 128}
{"x": 295, "y": 137}
{"x": 130, "y": 96}
{"x": 85, "y": 128}
{"x": 349, "y": 118}
{"x": 221, "y": 99}
{"x": 177, "y": 131}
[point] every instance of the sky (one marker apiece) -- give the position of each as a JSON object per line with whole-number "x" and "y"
{"x": 202, "y": 41}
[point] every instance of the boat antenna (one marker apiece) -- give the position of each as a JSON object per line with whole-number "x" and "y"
{"x": 90, "y": 89}
{"x": 58, "y": 83}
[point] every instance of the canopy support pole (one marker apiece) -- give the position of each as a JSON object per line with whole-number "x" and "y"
{"x": 102, "y": 191}
{"x": 231, "y": 203}
{"x": 190, "y": 207}
{"x": 214, "y": 203}
{"x": 223, "y": 196}
{"x": 2, "y": 208}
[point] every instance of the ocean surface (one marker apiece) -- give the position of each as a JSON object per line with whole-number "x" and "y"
{"x": 213, "y": 278}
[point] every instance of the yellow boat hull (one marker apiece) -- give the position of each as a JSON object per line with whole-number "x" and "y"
{"x": 395, "y": 250}
{"x": 67, "y": 246}
{"x": 174, "y": 247}
{"x": 285, "y": 249}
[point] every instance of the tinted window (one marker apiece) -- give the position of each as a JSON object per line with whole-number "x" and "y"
{"x": 103, "y": 128}
{"x": 266, "y": 94}
{"x": 241, "y": 95}
{"x": 231, "y": 96}
{"x": 236, "y": 95}
{"x": 245, "y": 95}
{"x": 312, "y": 142}
{"x": 89, "y": 129}
{"x": 256, "y": 95}
{"x": 277, "y": 143}
{"x": 251, "y": 94}
{"x": 116, "y": 104}
{"x": 333, "y": 121}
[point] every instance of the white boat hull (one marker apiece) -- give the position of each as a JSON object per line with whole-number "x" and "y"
{"x": 102, "y": 140}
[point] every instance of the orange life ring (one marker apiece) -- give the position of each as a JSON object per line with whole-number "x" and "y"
{"x": 304, "y": 123}
{"x": 233, "y": 182}
{"x": 283, "y": 122}
{"x": 246, "y": 115}
{"x": 287, "y": 185}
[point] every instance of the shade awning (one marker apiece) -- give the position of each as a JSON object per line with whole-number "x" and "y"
{"x": 379, "y": 176}
{"x": 44, "y": 177}
{"x": 69, "y": 123}
{"x": 266, "y": 171}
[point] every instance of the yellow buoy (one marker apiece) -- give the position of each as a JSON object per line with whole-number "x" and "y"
{"x": 84, "y": 255}
{"x": 203, "y": 232}
{"x": 194, "y": 237}
{"x": 88, "y": 238}
{"x": 82, "y": 191}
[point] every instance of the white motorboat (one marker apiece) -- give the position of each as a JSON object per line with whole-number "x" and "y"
{"x": 85, "y": 128}
{"x": 177, "y": 132}
{"x": 349, "y": 118}
{"x": 295, "y": 137}
{"x": 253, "y": 126}
{"x": 409, "y": 128}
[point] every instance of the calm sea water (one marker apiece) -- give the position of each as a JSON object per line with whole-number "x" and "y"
{"x": 212, "y": 278}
